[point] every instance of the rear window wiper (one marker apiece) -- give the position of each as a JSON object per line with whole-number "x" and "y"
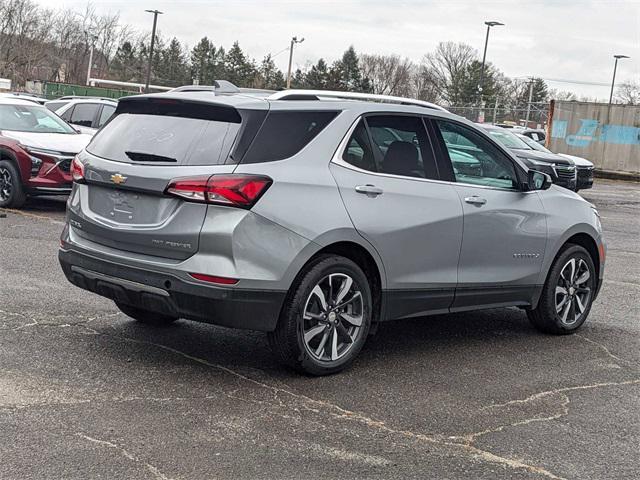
{"x": 148, "y": 157}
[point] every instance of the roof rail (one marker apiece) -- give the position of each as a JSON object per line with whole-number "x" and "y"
{"x": 320, "y": 94}
{"x": 219, "y": 87}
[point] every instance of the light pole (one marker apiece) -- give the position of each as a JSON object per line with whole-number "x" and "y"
{"x": 153, "y": 40}
{"x": 294, "y": 40}
{"x": 484, "y": 57}
{"x": 615, "y": 67}
{"x": 93, "y": 41}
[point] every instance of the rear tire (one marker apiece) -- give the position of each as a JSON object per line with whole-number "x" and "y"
{"x": 146, "y": 316}
{"x": 568, "y": 293}
{"x": 325, "y": 319}
{"x": 11, "y": 190}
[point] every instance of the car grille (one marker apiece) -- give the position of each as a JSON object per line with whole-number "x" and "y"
{"x": 585, "y": 174}
{"x": 565, "y": 173}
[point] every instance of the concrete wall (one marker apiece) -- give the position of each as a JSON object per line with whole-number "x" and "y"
{"x": 608, "y": 136}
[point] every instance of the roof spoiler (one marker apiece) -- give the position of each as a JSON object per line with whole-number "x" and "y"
{"x": 160, "y": 104}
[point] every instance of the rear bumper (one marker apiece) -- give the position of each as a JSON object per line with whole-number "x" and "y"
{"x": 170, "y": 295}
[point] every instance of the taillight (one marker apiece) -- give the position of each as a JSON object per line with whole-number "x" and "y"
{"x": 77, "y": 170}
{"x": 231, "y": 190}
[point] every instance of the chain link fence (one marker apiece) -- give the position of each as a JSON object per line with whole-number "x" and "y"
{"x": 538, "y": 114}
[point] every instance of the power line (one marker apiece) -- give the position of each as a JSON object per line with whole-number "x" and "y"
{"x": 575, "y": 82}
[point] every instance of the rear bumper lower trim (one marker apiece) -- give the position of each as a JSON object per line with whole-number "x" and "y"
{"x": 171, "y": 295}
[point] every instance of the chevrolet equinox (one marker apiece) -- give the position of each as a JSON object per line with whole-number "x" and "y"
{"x": 313, "y": 216}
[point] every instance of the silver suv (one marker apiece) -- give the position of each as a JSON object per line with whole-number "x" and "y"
{"x": 313, "y": 216}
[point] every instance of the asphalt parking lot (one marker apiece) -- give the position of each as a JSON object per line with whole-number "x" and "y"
{"x": 87, "y": 393}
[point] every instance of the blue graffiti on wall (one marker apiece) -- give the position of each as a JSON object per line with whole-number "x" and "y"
{"x": 588, "y": 132}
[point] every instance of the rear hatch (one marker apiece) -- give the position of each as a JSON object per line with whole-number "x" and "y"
{"x": 150, "y": 141}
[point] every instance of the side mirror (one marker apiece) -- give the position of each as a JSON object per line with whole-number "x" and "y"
{"x": 538, "y": 180}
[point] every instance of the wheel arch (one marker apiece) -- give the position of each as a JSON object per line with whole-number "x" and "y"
{"x": 7, "y": 153}
{"x": 350, "y": 245}
{"x": 587, "y": 237}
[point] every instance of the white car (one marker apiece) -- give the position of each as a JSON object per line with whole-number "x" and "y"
{"x": 87, "y": 114}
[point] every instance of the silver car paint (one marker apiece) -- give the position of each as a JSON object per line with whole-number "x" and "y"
{"x": 311, "y": 204}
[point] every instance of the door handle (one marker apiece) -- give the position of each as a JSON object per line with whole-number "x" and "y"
{"x": 475, "y": 200}
{"x": 369, "y": 190}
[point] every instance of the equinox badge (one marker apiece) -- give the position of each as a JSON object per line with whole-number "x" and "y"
{"x": 118, "y": 179}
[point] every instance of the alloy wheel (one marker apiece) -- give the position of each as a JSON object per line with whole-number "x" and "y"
{"x": 573, "y": 291}
{"x": 6, "y": 184}
{"x": 333, "y": 317}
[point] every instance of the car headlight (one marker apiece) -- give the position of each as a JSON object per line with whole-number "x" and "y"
{"x": 36, "y": 163}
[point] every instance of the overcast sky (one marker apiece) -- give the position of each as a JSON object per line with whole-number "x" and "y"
{"x": 556, "y": 40}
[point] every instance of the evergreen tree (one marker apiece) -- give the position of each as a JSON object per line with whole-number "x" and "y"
{"x": 466, "y": 91}
{"x": 207, "y": 62}
{"x": 351, "y": 78}
{"x": 239, "y": 69}
{"x": 172, "y": 68}
{"x": 318, "y": 76}
{"x": 269, "y": 76}
{"x": 299, "y": 79}
{"x": 123, "y": 66}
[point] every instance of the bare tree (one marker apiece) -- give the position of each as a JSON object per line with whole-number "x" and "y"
{"x": 388, "y": 74}
{"x": 448, "y": 66}
{"x": 629, "y": 93}
{"x": 423, "y": 84}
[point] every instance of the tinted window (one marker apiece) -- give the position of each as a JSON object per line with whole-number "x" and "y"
{"x": 84, "y": 113}
{"x": 401, "y": 146}
{"x": 164, "y": 139}
{"x": 284, "y": 134}
{"x": 358, "y": 152}
{"x": 107, "y": 111}
{"x": 475, "y": 160}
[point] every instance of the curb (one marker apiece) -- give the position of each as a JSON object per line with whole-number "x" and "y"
{"x": 628, "y": 177}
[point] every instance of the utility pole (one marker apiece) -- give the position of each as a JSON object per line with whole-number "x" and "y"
{"x": 93, "y": 41}
{"x": 531, "y": 82}
{"x": 153, "y": 40}
{"x": 495, "y": 110}
{"x": 613, "y": 82}
{"x": 484, "y": 57}
{"x": 294, "y": 40}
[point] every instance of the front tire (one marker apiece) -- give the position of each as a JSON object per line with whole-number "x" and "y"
{"x": 146, "y": 316}
{"x": 11, "y": 190}
{"x": 326, "y": 317}
{"x": 568, "y": 293}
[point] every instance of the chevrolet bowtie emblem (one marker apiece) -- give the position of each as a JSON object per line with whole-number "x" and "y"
{"x": 118, "y": 179}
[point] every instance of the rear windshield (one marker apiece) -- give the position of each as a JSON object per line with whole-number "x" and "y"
{"x": 165, "y": 140}
{"x": 285, "y": 133}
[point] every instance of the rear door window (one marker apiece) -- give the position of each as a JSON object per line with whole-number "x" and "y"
{"x": 285, "y": 133}
{"x": 84, "y": 114}
{"x": 164, "y": 139}
{"x": 402, "y": 146}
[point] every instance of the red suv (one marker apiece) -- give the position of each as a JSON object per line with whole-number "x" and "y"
{"x": 36, "y": 150}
